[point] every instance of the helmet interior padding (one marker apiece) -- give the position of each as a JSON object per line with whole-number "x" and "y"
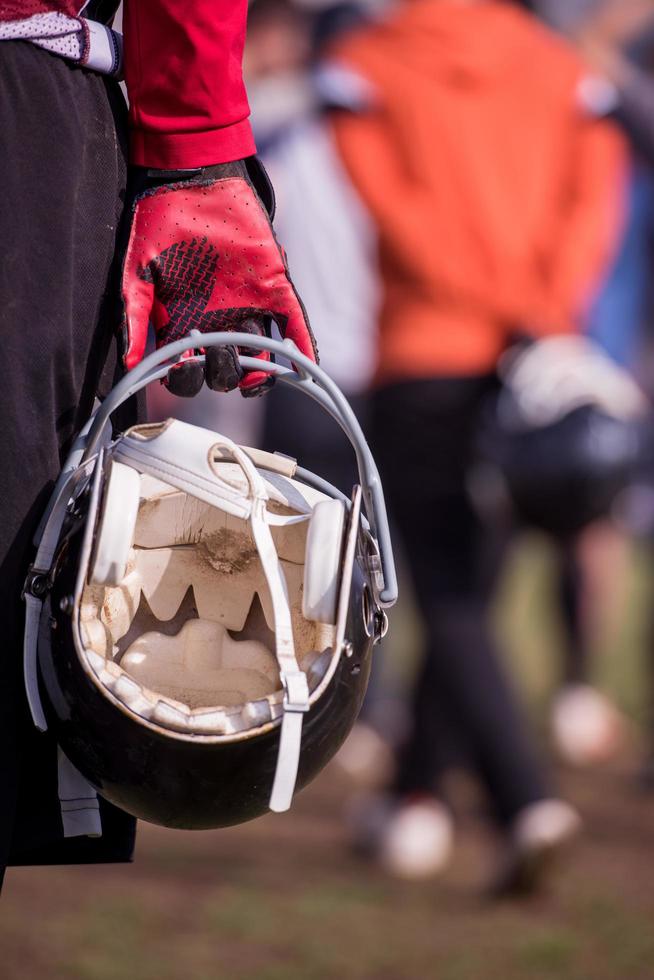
{"x": 191, "y": 622}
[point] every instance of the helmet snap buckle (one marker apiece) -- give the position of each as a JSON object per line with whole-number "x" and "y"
{"x": 381, "y": 626}
{"x": 37, "y": 583}
{"x": 296, "y": 691}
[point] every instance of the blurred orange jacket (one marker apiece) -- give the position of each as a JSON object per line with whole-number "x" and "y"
{"x": 498, "y": 199}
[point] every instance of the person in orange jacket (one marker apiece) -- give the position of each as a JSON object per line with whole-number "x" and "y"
{"x": 497, "y": 194}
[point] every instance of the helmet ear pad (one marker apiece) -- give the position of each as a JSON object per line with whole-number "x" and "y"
{"x": 115, "y": 532}
{"x": 322, "y": 563}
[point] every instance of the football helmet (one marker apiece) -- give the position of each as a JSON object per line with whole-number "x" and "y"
{"x": 564, "y": 435}
{"x": 200, "y": 615}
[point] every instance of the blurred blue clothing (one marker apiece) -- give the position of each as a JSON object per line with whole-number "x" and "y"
{"x": 619, "y": 315}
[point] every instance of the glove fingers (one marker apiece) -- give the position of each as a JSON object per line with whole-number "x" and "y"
{"x": 137, "y": 298}
{"x": 222, "y": 369}
{"x": 293, "y": 322}
{"x": 297, "y": 329}
{"x": 186, "y": 379}
{"x": 256, "y": 383}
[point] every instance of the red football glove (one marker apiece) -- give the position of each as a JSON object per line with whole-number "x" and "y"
{"x": 202, "y": 255}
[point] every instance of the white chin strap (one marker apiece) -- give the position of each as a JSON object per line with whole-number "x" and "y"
{"x": 294, "y": 680}
{"x": 162, "y": 457}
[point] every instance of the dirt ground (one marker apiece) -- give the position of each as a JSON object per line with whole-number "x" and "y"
{"x": 283, "y": 899}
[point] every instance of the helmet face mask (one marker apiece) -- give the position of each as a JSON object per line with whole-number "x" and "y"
{"x": 206, "y": 639}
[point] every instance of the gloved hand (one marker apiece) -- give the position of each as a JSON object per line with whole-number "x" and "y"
{"x": 202, "y": 255}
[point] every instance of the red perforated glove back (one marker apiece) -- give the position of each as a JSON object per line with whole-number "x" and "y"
{"x": 202, "y": 255}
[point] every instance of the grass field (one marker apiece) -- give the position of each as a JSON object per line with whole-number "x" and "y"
{"x": 283, "y": 899}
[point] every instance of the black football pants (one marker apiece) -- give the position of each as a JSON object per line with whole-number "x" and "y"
{"x": 463, "y": 706}
{"x": 62, "y": 174}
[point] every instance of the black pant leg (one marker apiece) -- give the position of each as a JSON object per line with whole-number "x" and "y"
{"x": 424, "y": 432}
{"x": 62, "y": 172}
{"x": 297, "y": 426}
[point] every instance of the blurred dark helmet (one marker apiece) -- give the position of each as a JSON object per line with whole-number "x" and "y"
{"x": 562, "y": 438}
{"x": 334, "y": 20}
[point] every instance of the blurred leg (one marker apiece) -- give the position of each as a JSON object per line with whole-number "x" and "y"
{"x": 294, "y": 425}
{"x": 585, "y": 726}
{"x": 423, "y": 436}
{"x": 570, "y": 591}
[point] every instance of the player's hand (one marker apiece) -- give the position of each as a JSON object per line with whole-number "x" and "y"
{"x": 202, "y": 255}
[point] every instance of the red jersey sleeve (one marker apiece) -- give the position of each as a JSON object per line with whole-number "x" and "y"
{"x": 188, "y": 106}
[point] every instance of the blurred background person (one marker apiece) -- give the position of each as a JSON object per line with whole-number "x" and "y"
{"x": 498, "y": 199}
{"x": 615, "y": 38}
{"x": 331, "y": 244}
{"x": 275, "y": 66}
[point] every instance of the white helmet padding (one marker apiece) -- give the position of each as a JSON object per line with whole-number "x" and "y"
{"x": 219, "y": 551}
{"x": 120, "y": 506}
{"x": 213, "y": 662}
{"x": 323, "y": 561}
